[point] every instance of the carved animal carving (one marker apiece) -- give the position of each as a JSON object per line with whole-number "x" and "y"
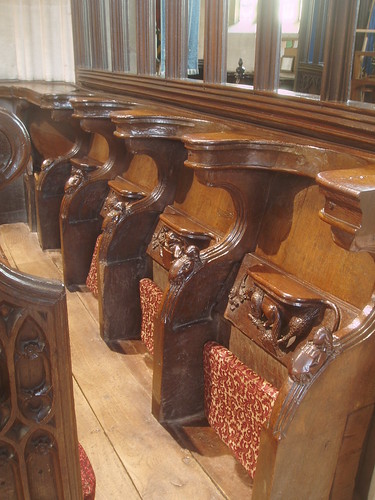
{"x": 238, "y": 295}
{"x": 113, "y": 215}
{"x": 279, "y": 325}
{"x": 74, "y": 181}
{"x": 184, "y": 266}
{"x": 309, "y": 358}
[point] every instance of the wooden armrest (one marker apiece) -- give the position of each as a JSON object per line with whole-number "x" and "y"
{"x": 85, "y": 163}
{"x": 126, "y": 189}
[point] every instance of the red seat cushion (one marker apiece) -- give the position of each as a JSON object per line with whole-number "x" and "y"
{"x": 87, "y": 475}
{"x": 92, "y": 277}
{"x": 150, "y": 295}
{"x": 238, "y": 403}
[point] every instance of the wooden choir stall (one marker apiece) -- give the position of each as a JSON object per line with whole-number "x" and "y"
{"x": 236, "y": 257}
{"x": 228, "y": 231}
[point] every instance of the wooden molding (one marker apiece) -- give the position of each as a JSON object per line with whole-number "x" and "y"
{"x": 328, "y": 121}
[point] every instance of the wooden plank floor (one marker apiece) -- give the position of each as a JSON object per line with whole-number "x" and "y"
{"x": 132, "y": 454}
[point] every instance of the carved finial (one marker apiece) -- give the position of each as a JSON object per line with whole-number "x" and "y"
{"x": 240, "y": 71}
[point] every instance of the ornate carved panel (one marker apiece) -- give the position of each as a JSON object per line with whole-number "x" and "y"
{"x": 38, "y": 440}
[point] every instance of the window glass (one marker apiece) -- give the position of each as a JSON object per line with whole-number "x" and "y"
{"x": 363, "y": 73}
{"x": 242, "y": 24}
{"x": 290, "y": 18}
{"x": 309, "y": 57}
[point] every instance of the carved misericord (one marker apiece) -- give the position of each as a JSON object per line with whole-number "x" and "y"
{"x": 74, "y": 181}
{"x": 170, "y": 245}
{"x": 280, "y": 323}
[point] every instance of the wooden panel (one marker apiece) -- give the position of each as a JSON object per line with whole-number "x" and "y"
{"x": 38, "y": 437}
{"x": 256, "y": 358}
{"x": 213, "y": 207}
{"x": 143, "y": 172}
{"x": 350, "y": 452}
{"x": 99, "y": 149}
{"x": 300, "y": 243}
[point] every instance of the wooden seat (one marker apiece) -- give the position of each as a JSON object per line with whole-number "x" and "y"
{"x": 299, "y": 325}
{"x": 85, "y": 190}
{"x": 155, "y": 177}
{"x": 40, "y": 454}
{"x": 290, "y": 317}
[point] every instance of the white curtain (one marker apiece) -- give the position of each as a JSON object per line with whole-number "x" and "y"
{"x": 36, "y": 41}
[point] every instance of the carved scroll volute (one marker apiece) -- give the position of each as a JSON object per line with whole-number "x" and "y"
{"x": 349, "y": 207}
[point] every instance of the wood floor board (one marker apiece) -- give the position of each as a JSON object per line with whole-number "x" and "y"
{"x": 157, "y": 464}
{"x": 132, "y": 454}
{"x": 112, "y": 480}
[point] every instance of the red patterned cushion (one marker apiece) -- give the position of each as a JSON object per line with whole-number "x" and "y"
{"x": 87, "y": 475}
{"x": 238, "y": 402}
{"x": 151, "y": 296}
{"x": 92, "y": 277}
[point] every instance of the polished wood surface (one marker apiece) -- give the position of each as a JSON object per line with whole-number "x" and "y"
{"x": 240, "y": 231}
{"x": 130, "y": 220}
{"x": 86, "y": 186}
